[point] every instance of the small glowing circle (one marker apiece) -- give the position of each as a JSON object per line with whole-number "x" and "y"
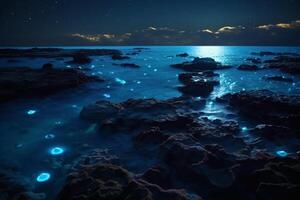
{"x": 43, "y": 177}
{"x": 281, "y": 153}
{"x": 56, "y": 150}
{"x": 31, "y": 112}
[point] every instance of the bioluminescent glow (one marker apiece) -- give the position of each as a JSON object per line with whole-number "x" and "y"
{"x": 155, "y": 70}
{"x": 138, "y": 82}
{"x": 145, "y": 74}
{"x": 131, "y": 89}
{"x": 122, "y": 82}
{"x": 43, "y": 177}
{"x": 74, "y": 106}
{"x": 281, "y": 153}
{"x": 31, "y": 112}
{"x": 244, "y": 129}
{"x": 106, "y": 95}
{"x": 49, "y": 136}
{"x": 56, "y": 151}
{"x": 58, "y": 123}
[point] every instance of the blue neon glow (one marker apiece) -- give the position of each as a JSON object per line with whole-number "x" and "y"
{"x": 57, "y": 151}
{"x": 49, "y": 136}
{"x": 106, "y": 95}
{"x": 31, "y": 112}
{"x": 244, "y": 129}
{"x": 281, "y": 153}
{"x": 43, "y": 177}
{"x": 122, "y": 82}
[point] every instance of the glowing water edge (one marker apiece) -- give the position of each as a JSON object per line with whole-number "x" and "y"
{"x": 48, "y": 134}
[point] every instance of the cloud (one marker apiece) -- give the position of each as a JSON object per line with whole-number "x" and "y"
{"x": 292, "y": 25}
{"x": 269, "y": 34}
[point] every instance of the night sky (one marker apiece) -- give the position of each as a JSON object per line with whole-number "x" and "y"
{"x": 149, "y": 22}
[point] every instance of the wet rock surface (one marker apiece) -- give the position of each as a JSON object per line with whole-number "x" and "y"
{"x": 267, "y": 106}
{"x": 119, "y": 57}
{"x": 198, "y": 84}
{"x": 80, "y": 59}
{"x": 17, "y": 82}
{"x": 289, "y": 64}
{"x": 200, "y": 64}
{"x": 106, "y": 181}
{"x": 205, "y": 157}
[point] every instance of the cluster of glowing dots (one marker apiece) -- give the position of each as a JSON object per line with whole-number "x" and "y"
{"x": 281, "y": 153}
{"x": 43, "y": 177}
{"x": 56, "y": 151}
{"x": 31, "y": 112}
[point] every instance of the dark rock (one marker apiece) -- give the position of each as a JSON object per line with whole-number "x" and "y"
{"x": 159, "y": 176}
{"x": 17, "y": 82}
{"x": 198, "y": 84}
{"x": 55, "y": 52}
{"x": 140, "y": 112}
{"x": 279, "y": 78}
{"x": 47, "y": 67}
{"x": 182, "y": 55}
{"x": 249, "y": 67}
{"x": 267, "y": 106}
{"x": 111, "y": 182}
{"x": 289, "y": 64}
{"x": 130, "y": 65}
{"x": 200, "y": 64}
{"x": 80, "y": 59}
{"x": 119, "y": 57}
{"x": 254, "y": 60}
{"x": 271, "y": 131}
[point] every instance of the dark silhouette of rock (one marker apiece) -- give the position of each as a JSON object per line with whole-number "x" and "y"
{"x": 200, "y": 64}
{"x": 267, "y": 106}
{"x": 198, "y": 84}
{"x": 249, "y": 67}
{"x": 279, "y": 78}
{"x": 17, "y": 82}
{"x": 289, "y": 64}
{"x": 130, "y": 65}
{"x": 182, "y": 55}
{"x": 268, "y": 53}
{"x": 80, "y": 59}
{"x": 119, "y": 57}
{"x": 47, "y": 67}
{"x": 254, "y": 60}
{"x": 55, "y": 52}
{"x": 111, "y": 182}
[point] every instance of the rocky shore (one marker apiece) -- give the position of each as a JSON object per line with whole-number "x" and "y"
{"x": 24, "y": 82}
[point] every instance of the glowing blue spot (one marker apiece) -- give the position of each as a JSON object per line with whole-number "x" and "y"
{"x": 93, "y": 74}
{"x": 19, "y": 145}
{"x": 108, "y": 86}
{"x": 123, "y": 82}
{"x": 149, "y": 66}
{"x": 145, "y": 74}
{"x": 281, "y": 153}
{"x": 244, "y": 129}
{"x": 56, "y": 150}
{"x": 74, "y": 106}
{"x": 42, "y": 177}
{"x": 210, "y": 103}
{"x": 93, "y": 66}
{"x": 68, "y": 66}
{"x": 31, "y": 112}
{"x": 58, "y": 123}
{"x": 49, "y": 136}
{"x": 106, "y": 95}
{"x": 131, "y": 89}
{"x": 138, "y": 82}
{"x": 112, "y": 72}
{"x": 155, "y": 70}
